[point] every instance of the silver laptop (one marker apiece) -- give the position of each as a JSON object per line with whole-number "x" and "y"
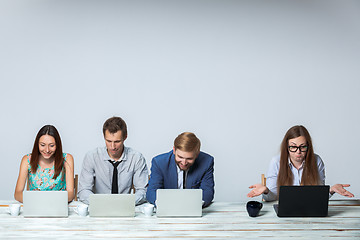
{"x": 45, "y": 204}
{"x": 112, "y": 205}
{"x": 179, "y": 202}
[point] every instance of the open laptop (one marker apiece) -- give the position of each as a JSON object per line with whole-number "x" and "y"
{"x": 45, "y": 204}
{"x": 179, "y": 202}
{"x": 112, "y": 205}
{"x": 303, "y": 201}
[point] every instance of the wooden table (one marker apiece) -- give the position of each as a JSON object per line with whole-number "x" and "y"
{"x": 220, "y": 221}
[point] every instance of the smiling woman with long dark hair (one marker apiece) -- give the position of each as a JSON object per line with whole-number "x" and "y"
{"x": 47, "y": 168}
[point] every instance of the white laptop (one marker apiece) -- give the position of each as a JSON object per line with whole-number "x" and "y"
{"x": 179, "y": 202}
{"x": 112, "y": 205}
{"x": 45, "y": 204}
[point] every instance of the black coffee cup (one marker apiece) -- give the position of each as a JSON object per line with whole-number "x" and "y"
{"x": 253, "y": 208}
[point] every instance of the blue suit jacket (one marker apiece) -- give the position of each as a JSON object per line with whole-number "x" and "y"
{"x": 164, "y": 175}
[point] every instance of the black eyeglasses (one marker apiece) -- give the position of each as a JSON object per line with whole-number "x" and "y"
{"x": 303, "y": 148}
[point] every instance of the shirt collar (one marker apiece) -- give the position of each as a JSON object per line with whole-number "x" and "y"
{"x": 291, "y": 165}
{"x": 106, "y": 157}
{"x": 179, "y": 170}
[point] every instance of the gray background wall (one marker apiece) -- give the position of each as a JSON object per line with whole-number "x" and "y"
{"x": 237, "y": 73}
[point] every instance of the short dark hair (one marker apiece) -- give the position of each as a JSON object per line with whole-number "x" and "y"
{"x": 115, "y": 124}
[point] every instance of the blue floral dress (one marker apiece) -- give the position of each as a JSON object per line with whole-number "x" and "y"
{"x": 42, "y": 179}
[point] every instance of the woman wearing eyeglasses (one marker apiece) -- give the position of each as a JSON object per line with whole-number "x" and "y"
{"x": 296, "y": 165}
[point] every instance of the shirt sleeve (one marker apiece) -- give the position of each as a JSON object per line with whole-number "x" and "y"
{"x": 271, "y": 179}
{"x": 140, "y": 180}
{"x": 86, "y": 181}
{"x": 321, "y": 169}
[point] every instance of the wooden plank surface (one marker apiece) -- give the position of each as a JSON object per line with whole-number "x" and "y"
{"x": 220, "y": 221}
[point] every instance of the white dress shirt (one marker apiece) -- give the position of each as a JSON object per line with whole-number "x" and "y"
{"x": 181, "y": 177}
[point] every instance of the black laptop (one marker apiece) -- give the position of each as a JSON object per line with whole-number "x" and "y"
{"x": 303, "y": 201}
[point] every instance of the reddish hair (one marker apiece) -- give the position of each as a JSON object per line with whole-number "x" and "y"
{"x": 187, "y": 142}
{"x": 58, "y": 155}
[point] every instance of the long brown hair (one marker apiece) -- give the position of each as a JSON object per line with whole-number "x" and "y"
{"x": 310, "y": 174}
{"x": 58, "y": 155}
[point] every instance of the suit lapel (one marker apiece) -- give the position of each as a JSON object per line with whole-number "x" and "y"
{"x": 190, "y": 178}
{"x": 173, "y": 176}
{"x": 191, "y": 175}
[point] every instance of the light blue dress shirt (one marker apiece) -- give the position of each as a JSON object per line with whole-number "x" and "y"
{"x": 272, "y": 174}
{"x": 97, "y": 172}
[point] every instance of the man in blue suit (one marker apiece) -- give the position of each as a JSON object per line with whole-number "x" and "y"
{"x": 183, "y": 167}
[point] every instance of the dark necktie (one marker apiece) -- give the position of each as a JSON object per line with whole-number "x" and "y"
{"x": 184, "y": 182}
{"x": 114, "y": 187}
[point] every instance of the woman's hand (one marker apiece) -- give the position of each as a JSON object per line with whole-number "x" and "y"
{"x": 257, "y": 189}
{"x": 340, "y": 189}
